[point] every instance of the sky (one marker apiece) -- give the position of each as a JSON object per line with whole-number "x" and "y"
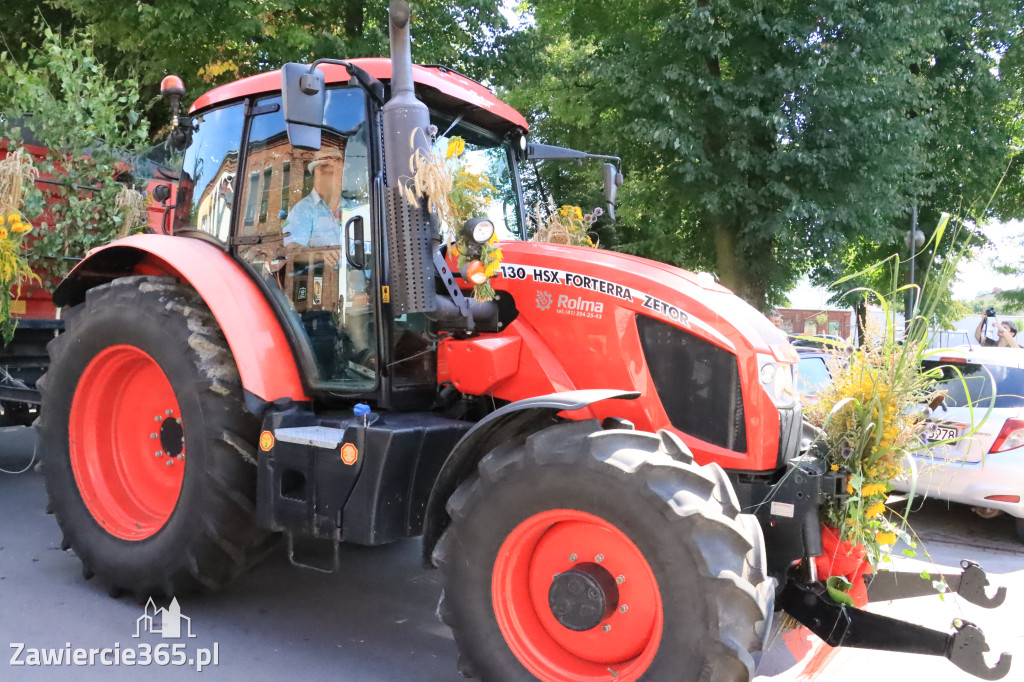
{"x": 977, "y": 276}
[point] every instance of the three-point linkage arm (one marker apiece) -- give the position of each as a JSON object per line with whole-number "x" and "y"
{"x": 840, "y": 625}
{"x": 971, "y": 584}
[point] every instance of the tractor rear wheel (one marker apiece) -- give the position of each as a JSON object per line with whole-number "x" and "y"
{"x": 147, "y": 443}
{"x": 580, "y": 554}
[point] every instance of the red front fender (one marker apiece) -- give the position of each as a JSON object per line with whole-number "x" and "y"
{"x": 258, "y": 344}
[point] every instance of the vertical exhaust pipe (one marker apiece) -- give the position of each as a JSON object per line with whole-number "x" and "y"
{"x": 412, "y": 233}
{"x": 405, "y": 132}
{"x": 405, "y": 117}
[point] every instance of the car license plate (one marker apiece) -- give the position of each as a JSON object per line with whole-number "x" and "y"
{"x": 937, "y": 432}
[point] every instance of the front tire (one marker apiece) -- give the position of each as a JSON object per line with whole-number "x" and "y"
{"x": 669, "y": 578}
{"x": 148, "y": 446}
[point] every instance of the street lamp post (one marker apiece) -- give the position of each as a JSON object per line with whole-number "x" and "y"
{"x": 914, "y": 240}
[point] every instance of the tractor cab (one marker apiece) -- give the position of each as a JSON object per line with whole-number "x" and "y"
{"x": 309, "y": 226}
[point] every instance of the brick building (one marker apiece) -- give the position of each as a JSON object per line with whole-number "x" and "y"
{"x": 813, "y": 322}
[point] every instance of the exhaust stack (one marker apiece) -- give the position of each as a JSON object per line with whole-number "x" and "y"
{"x": 405, "y": 132}
{"x": 412, "y": 232}
{"x": 405, "y": 117}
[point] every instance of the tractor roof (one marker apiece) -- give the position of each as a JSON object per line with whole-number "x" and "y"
{"x": 437, "y": 86}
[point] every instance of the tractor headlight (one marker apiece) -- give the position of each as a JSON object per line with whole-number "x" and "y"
{"x": 777, "y": 380}
{"x": 479, "y": 230}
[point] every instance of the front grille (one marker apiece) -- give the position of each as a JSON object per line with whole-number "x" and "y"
{"x": 698, "y": 384}
{"x": 790, "y": 430}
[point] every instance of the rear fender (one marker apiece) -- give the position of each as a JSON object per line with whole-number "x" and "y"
{"x": 265, "y": 360}
{"x": 513, "y": 420}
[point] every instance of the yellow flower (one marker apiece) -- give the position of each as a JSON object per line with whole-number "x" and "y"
{"x": 578, "y": 212}
{"x": 455, "y": 147}
{"x": 885, "y": 538}
{"x": 849, "y": 488}
{"x": 21, "y": 227}
{"x": 496, "y": 255}
{"x": 493, "y": 240}
{"x": 1, "y": 220}
{"x": 875, "y": 510}
{"x": 3, "y": 233}
{"x": 835, "y": 467}
{"x": 13, "y": 218}
{"x": 491, "y": 268}
{"x": 872, "y": 489}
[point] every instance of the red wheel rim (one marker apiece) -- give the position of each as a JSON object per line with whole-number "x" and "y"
{"x": 553, "y": 542}
{"x": 124, "y": 428}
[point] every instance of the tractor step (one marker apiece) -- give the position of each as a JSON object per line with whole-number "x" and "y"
{"x": 316, "y": 555}
{"x": 317, "y": 436}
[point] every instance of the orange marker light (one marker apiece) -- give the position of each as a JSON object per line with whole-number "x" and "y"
{"x": 349, "y": 454}
{"x": 172, "y": 85}
{"x": 266, "y": 441}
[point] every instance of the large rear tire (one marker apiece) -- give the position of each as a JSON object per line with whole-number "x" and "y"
{"x": 147, "y": 443}
{"x": 580, "y": 554}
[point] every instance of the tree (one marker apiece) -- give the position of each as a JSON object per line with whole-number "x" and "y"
{"x": 973, "y": 87}
{"x": 758, "y": 139}
{"x": 63, "y": 99}
{"x": 210, "y": 42}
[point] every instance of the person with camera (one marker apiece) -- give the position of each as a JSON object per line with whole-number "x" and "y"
{"x": 992, "y": 332}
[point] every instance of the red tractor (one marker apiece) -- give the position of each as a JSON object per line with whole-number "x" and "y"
{"x": 299, "y": 359}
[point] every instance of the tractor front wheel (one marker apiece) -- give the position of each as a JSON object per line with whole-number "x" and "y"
{"x": 146, "y": 440}
{"x": 578, "y": 554}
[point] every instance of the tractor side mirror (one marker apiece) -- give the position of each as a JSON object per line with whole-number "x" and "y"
{"x": 612, "y": 182}
{"x": 303, "y": 97}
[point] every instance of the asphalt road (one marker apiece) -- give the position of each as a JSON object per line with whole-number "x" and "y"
{"x": 374, "y": 619}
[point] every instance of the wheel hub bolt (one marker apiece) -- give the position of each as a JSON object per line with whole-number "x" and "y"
{"x": 599, "y": 558}
{"x": 158, "y": 453}
{"x": 169, "y": 412}
{"x": 606, "y": 627}
{"x": 572, "y": 557}
{"x": 154, "y": 436}
{"x": 621, "y": 579}
{"x": 157, "y": 418}
{"x": 623, "y": 608}
{"x": 170, "y": 462}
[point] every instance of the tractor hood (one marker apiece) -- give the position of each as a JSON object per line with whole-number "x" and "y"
{"x": 573, "y": 277}
{"x": 704, "y": 363}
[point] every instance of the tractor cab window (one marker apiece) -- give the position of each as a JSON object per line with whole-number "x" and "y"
{"x": 490, "y": 158}
{"x": 299, "y": 217}
{"x": 206, "y": 188}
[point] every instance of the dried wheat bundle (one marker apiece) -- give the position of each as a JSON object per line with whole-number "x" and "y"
{"x": 16, "y": 173}
{"x": 433, "y": 180}
{"x": 132, "y": 204}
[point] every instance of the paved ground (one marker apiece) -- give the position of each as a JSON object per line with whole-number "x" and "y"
{"x": 374, "y": 620}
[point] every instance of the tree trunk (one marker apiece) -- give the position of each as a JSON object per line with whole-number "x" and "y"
{"x": 726, "y": 263}
{"x": 862, "y": 321}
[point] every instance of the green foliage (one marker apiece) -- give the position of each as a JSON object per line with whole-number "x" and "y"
{"x": 972, "y": 88}
{"x": 210, "y": 42}
{"x": 759, "y": 139}
{"x": 63, "y": 99}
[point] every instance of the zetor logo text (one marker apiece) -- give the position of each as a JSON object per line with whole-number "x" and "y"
{"x": 168, "y": 622}
{"x": 575, "y": 306}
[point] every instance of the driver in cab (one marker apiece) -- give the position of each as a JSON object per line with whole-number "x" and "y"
{"x": 315, "y": 221}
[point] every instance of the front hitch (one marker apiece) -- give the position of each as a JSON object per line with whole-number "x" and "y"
{"x": 840, "y": 625}
{"x": 971, "y": 584}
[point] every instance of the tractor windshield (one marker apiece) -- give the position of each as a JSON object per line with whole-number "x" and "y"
{"x": 493, "y": 159}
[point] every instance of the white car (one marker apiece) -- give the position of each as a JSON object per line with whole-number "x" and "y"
{"x": 984, "y": 469}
